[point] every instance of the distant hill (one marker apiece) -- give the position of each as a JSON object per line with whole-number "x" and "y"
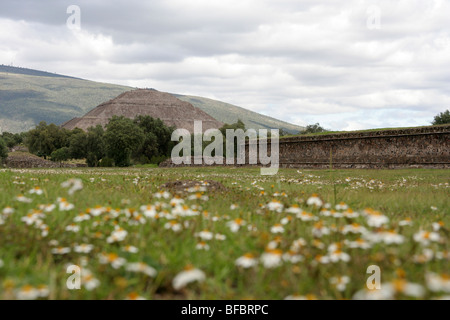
{"x": 30, "y": 72}
{"x": 25, "y": 99}
{"x": 229, "y": 113}
{"x": 29, "y": 96}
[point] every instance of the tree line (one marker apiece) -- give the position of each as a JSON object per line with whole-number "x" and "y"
{"x": 123, "y": 142}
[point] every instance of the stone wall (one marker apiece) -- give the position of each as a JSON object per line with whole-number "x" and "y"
{"x": 424, "y": 147}
{"x": 27, "y": 161}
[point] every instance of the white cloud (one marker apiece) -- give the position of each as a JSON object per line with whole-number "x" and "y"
{"x": 299, "y": 61}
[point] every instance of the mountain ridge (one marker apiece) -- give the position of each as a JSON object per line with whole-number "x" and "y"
{"x": 28, "y": 96}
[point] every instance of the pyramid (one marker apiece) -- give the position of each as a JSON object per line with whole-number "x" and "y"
{"x": 162, "y": 105}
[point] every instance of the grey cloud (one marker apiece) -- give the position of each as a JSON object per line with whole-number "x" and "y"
{"x": 300, "y": 61}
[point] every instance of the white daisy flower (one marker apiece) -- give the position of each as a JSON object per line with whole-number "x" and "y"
{"x": 275, "y": 205}
{"x": 187, "y": 276}
{"x": 176, "y": 201}
{"x": 205, "y": 235}
{"x": 271, "y": 258}
{"x": 149, "y": 211}
{"x": 294, "y": 209}
{"x": 113, "y": 259}
{"x": 98, "y": 210}
{"x": 425, "y": 237}
{"x": 438, "y": 282}
{"x": 320, "y": 230}
{"x": 119, "y": 234}
{"x": 338, "y": 255}
{"x": 292, "y": 257}
{"x": 341, "y": 206}
{"x": 198, "y": 196}
{"x": 27, "y": 293}
{"x": 375, "y": 219}
{"x": 43, "y": 291}
{"x": 246, "y": 261}
{"x": 173, "y": 225}
{"x": 306, "y": 216}
{"x": 322, "y": 259}
{"x": 405, "y": 222}
{"x": 358, "y": 244}
{"x": 130, "y": 249}
{"x": 83, "y": 248}
{"x": 286, "y": 220}
{"x": 72, "y": 227}
{"x": 278, "y": 228}
{"x": 385, "y": 293}
{"x": 388, "y": 237}
{"x": 297, "y": 245}
{"x": 36, "y": 190}
{"x": 142, "y": 268}
{"x": 88, "y": 280}
{"x": 134, "y": 296}
{"x": 235, "y": 224}
{"x": 407, "y": 288}
{"x": 202, "y": 246}
{"x": 353, "y": 228}
{"x": 162, "y": 194}
{"x": 340, "y": 282}
{"x": 64, "y": 205}
{"x": 350, "y": 214}
{"x": 22, "y": 198}
{"x": 82, "y": 217}
{"x": 60, "y": 250}
{"x": 8, "y": 211}
{"x": 314, "y": 200}
{"x": 220, "y": 237}
{"x": 437, "y": 225}
{"x": 73, "y": 184}
{"x": 47, "y": 207}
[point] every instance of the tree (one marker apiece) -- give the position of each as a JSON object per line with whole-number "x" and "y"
{"x": 157, "y": 141}
{"x": 45, "y": 139}
{"x": 122, "y": 137}
{"x": 60, "y": 155}
{"x": 234, "y": 126}
{"x": 3, "y": 151}
{"x": 314, "y": 128}
{"x": 12, "y": 139}
{"x": 77, "y": 145}
{"x": 237, "y": 125}
{"x": 95, "y": 146}
{"x": 442, "y": 118}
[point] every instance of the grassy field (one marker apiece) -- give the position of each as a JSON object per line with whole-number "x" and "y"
{"x": 257, "y": 237}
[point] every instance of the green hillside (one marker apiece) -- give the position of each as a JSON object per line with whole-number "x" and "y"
{"x": 29, "y": 96}
{"x": 229, "y": 113}
{"x": 25, "y": 100}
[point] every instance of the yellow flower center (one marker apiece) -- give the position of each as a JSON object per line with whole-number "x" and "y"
{"x": 112, "y": 257}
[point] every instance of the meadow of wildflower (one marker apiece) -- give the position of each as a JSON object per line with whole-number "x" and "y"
{"x": 301, "y": 234}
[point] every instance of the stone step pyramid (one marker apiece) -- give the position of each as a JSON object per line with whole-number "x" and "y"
{"x": 162, "y": 105}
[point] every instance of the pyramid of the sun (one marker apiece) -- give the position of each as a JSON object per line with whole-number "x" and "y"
{"x": 162, "y": 105}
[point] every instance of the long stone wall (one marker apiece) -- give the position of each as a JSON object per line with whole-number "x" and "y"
{"x": 425, "y": 147}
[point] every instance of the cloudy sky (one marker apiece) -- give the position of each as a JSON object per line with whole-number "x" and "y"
{"x": 352, "y": 64}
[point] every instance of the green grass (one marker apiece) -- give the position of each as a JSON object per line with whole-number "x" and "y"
{"x": 421, "y": 195}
